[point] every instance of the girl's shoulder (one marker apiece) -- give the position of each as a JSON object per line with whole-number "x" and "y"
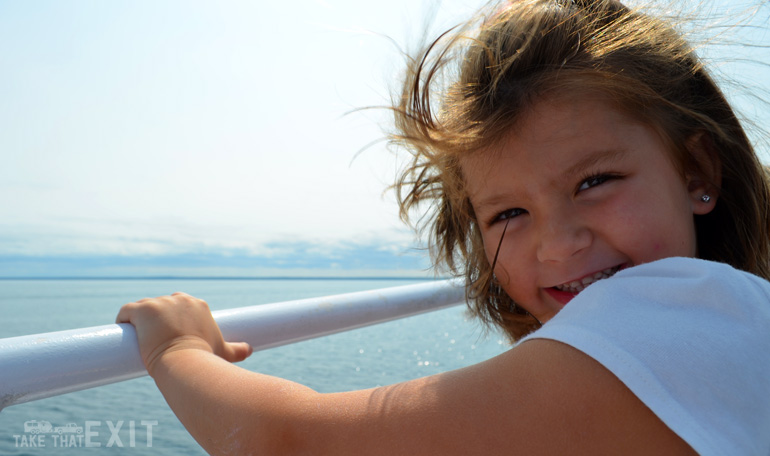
{"x": 686, "y": 291}
{"x": 679, "y": 333}
{"x": 701, "y": 274}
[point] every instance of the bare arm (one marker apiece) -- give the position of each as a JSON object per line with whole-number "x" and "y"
{"x": 541, "y": 397}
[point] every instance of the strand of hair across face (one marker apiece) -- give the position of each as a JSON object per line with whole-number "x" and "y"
{"x": 499, "y": 244}
{"x": 494, "y": 263}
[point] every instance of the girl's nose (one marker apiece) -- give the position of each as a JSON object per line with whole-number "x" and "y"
{"x": 561, "y": 238}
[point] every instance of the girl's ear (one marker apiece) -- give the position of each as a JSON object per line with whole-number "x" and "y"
{"x": 705, "y": 180}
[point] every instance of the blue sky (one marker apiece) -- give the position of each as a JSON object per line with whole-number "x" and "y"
{"x": 211, "y": 138}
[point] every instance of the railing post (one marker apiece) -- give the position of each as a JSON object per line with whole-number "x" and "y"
{"x": 44, "y": 365}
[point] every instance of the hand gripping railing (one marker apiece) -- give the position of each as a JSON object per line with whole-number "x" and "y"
{"x": 44, "y": 365}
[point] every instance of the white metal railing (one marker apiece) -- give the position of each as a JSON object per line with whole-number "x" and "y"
{"x": 44, "y": 365}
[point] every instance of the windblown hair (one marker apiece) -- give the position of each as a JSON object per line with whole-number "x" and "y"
{"x": 470, "y": 86}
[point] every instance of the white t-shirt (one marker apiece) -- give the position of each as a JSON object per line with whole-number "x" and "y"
{"x": 691, "y": 339}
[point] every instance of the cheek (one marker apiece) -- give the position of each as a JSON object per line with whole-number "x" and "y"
{"x": 661, "y": 232}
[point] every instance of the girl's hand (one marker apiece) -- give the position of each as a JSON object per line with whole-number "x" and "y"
{"x": 177, "y": 322}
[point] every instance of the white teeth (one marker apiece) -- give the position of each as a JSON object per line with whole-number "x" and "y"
{"x": 577, "y": 286}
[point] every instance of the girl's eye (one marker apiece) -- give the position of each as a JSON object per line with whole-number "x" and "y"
{"x": 595, "y": 180}
{"x": 507, "y": 214}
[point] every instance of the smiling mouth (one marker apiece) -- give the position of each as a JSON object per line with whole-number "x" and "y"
{"x": 576, "y": 286}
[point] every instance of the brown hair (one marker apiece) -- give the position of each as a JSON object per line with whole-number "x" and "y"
{"x": 467, "y": 89}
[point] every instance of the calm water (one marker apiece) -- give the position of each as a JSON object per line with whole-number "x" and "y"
{"x": 121, "y": 417}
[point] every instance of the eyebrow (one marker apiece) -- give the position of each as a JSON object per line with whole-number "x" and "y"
{"x": 593, "y": 159}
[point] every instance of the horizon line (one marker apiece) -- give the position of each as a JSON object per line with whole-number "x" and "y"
{"x": 222, "y": 278}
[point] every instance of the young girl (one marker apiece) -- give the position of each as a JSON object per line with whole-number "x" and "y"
{"x": 578, "y": 159}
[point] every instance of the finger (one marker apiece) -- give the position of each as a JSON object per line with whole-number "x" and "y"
{"x": 125, "y": 312}
{"x": 236, "y": 351}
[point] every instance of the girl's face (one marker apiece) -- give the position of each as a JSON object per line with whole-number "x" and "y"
{"x": 585, "y": 191}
